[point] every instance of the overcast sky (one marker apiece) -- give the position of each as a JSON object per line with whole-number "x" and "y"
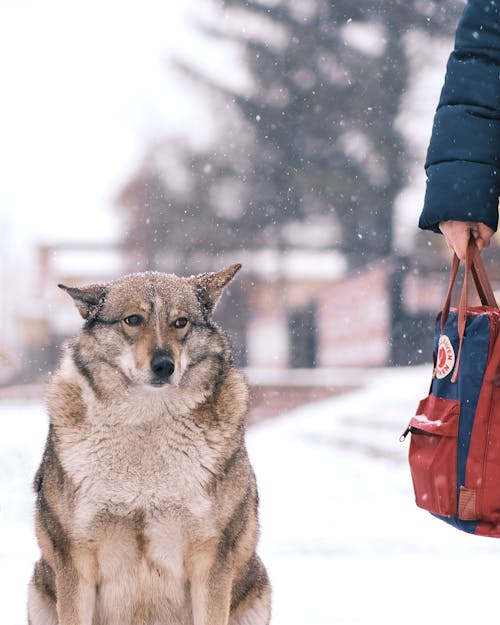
{"x": 87, "y": 85}
{"x": 84, "y": 87}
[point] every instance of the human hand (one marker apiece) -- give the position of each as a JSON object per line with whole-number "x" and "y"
{"x": 457, "y": 235}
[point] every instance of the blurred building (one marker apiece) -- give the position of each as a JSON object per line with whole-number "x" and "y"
{"x": 289, "y": 309}
{"x": 48, "y": 317}
{"x": 377, "y": 315}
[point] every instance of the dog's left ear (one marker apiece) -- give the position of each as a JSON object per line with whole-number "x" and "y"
{"x": 87, "y": 299}
{"x": 212, "y": 284}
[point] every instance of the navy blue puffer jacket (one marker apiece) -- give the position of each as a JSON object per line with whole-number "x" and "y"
{"x": 463, "y": 160}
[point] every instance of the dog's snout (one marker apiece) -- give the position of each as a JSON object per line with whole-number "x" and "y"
{"x": 162, "y": 366}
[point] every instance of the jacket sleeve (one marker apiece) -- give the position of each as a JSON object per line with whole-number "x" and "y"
{"x": 463, "y": 159}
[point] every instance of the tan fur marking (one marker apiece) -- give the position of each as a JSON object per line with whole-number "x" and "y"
{"x": 67, "y": 402}
{"x": 144, "y": 347}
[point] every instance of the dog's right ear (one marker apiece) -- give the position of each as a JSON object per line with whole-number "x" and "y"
{"x": 88, "y": 299}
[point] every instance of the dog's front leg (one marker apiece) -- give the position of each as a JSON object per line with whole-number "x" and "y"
{"x": 211, "y": 584}
{"x": 211, "y": 599}
{"x": 76, "y": 590}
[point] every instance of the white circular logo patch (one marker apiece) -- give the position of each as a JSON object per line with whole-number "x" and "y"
{"x": 445, "y": 357}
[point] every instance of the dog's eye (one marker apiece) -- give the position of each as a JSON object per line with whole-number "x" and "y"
{"x": 181, "y": 322}
{"x": 134, "y": 320}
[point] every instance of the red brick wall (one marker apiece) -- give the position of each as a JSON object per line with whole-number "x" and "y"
{"x": 354, "y": 320}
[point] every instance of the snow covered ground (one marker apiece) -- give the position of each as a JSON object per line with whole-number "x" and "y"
{"x": 341, "y": 536}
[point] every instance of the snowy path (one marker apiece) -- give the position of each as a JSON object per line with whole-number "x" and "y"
{"x": 341, "y": 537}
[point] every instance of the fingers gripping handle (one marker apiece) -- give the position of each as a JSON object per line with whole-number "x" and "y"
{"x": 473, "y": 266}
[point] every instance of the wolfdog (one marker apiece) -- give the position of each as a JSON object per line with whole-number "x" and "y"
{"x": 146, "y": 510}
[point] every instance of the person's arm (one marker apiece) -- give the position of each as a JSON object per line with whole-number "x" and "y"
{"x": 463, "y": 160}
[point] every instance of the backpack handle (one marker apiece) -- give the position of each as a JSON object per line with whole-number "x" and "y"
{"x": 473, "y": 265}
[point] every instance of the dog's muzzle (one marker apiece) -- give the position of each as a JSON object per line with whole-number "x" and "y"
{"x": 162, "y": 367}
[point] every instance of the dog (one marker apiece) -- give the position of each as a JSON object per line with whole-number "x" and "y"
{"x": 146, "y": 502}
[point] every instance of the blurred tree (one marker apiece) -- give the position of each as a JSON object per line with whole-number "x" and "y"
{"x": 326, "y": 94}
{"x": 172, "y": 209}
{"x": 316, "y": 141}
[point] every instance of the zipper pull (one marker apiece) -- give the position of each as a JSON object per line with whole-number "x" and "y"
{"x": 403, "y": 436}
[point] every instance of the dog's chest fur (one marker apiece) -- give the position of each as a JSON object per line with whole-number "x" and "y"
{"x": 160, "y": 466}
{"x": 141, "y": 498}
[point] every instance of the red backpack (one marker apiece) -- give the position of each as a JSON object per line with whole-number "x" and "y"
{"x": 454, "y": 453}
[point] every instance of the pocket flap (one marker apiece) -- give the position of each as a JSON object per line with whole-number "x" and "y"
{"x": 437, "y": 415}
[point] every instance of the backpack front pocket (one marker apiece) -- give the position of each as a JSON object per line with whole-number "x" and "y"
{"x": 433, "y": 454}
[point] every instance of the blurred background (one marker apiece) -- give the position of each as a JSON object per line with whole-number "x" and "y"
{"x": 288, "y": 135}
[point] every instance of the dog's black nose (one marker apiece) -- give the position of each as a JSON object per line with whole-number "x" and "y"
{"x": 162, "y": 366}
